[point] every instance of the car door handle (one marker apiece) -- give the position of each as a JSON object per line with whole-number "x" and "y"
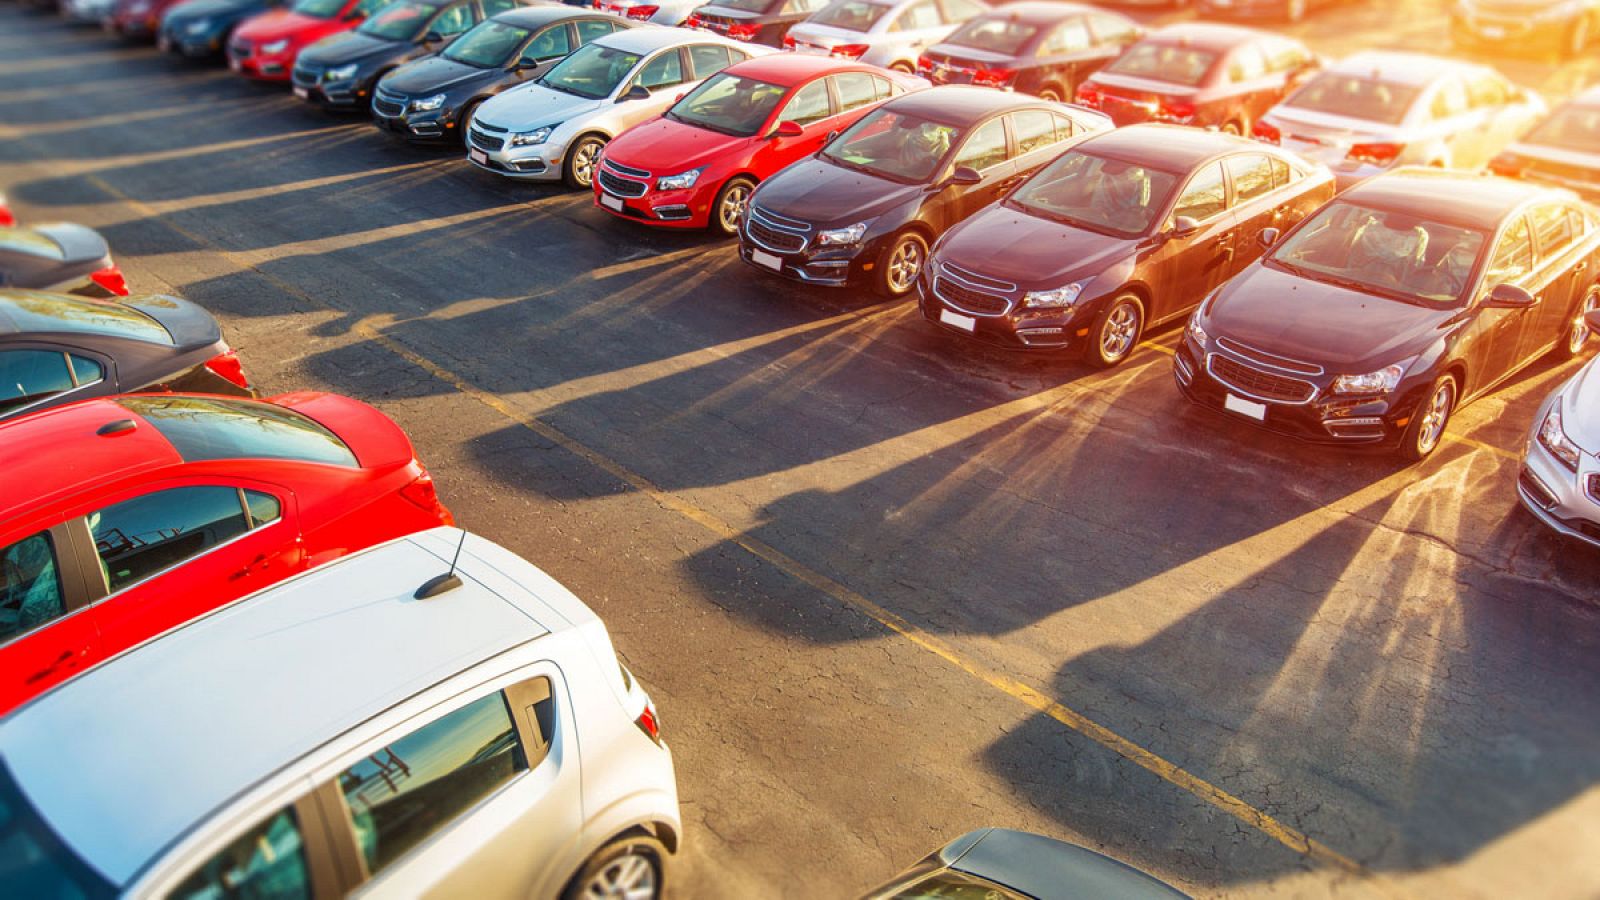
{"x": 47, "y": 671}
{"x": 255, "y": 565}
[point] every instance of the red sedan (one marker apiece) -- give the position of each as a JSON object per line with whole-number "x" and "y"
{"x": 166, "y": 506}
{"x": 265, "y": 45}
{"x": 138, "y": 18}
{"x": 696, "y": 165}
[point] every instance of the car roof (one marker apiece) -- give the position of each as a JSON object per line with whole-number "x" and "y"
{"x": 1038, "y": 12}
{"x": 962, "y": 104}
{"x": 181, "y": 726}
{"x": 650, "y": 39}
{"x": 544, "y": 14}
{"x": 55, "y": 452}
{"x": 792, "y": 68}
{"x": 1175, "y": 148}
{"x": 1399, "y": 67}
{"x": 1466, "y": 198}
{"x": 1206, "y": 35}
{"x": 1589, "y": 96}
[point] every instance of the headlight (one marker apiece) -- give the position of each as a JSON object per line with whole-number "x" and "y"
{"x": 1554, "y": 439}
{"x": 427, "y": 104}
{"x": 1379, "y": 382}
{"x": 1060, "y": 298}
{"x": 342, "y": 73}
{"x": 842, "y": 237}
{"x": 679, "y": 181}
{"x": 275, "y": 47}
{"x": 1196, "y": 333}
{"x": 529, "y": 138}
{"x": 198, "y": 26}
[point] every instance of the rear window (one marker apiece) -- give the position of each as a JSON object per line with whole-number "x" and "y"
{"x": 80, "y": 315}
{"x": 994, "y": 35}
{"x": 850, "y": 15}
{"x": 1358, "y": 98}
{"x": 203, "y": 428}
{"x": 26, "y": 240}
{"x": 1165, "y": 62}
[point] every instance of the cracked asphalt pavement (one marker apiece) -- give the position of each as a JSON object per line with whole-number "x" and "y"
{"x": 886, "y": 588}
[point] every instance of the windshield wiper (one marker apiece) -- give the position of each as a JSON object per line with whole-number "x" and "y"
{"x": 562, "y": 88}
{"x": 1352, "y": 284}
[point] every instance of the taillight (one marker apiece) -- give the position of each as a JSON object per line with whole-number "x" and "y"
{"x": 643, "y": 12}
{"x": 227, "y": 366}
{"x": 1506, "y": 164}
{"x": 993, "y": 77}
{"x": 1089, "y": 95}
{"x": 1177, "y": 110}
{"x": 924, "y": 65}
{"x": 423, "y": 495}
{"x": 849, "y": 51}
{"x": 648, "y": 723}
{"x": 694, "y": 21}
{"x": 788, "y": 43}
{"x": 1264, "y": 131}
{"x": 1376, "y": 154}
{"x": 744, "y": 32}
{"x": 6, "y": 218}
{"x": 110, "y": 278}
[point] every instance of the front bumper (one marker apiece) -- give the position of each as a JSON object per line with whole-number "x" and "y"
{"x": 132, "y": 26}
{"x": 249, "y": 63}
{"x": 178, "y": 41}
{"x": 636, "y": 199}
{"x": 489, "y": 152}
{"x": 309, "y": 86}
{"x": 1566, "y": 501}
{"x": 1055, "y": 330}
{"x": 435, "y": 125}
{"x": 828, "y": 267}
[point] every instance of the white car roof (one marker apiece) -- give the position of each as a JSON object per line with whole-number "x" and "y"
{"x": 649, "y": 38}
{"x": 1402, "y": 68}
{"x": 124, "y": 759}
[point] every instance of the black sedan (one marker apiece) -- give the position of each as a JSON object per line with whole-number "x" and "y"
{"x": 1405, "y": 298}
{"x": 55, "y": 348}
{"x": 58, "y": 257}
{"x": 199, "y": 29}
{"x": 757, "y": 21}
{"x": 1563, "y": 150}
{"x": 1043, "y": 48}
{"x": 869, "y": 204}
{"x": 1127, "y": 230}
{"x": 498, "y": 54}
{"x": 1002, "y": 864}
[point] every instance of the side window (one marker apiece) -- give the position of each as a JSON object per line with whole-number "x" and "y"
{"x": 261, "y": 508}
{"x": 1487, "y": 92}
{"x": 269, "y": 860}
{"x": 1247, "y": 64}
{"x": 1513, "y": 256}
{"x": 917, "y": 17}
{"x": 1035, "y": 129}
{"x": 663, "y": 71}
{"x": 453, "y": 20}
{"x": 1068, "y": 37}
{"x": 956, "y": 11}
{"x": 140, "y": 537}
{"x": 1111, "y": 29}
{"x": 403, "y": 793}
{"x": 809, "y": 104}
{"x": 1553, "y": 229}
{"x": 708, "y": 59}
{"x": 1282, "y": 173}
{"x": 592, "y": 29}
{"x": 496, "y": 7}
{"x": 1579, "y": 224}
{"x": 798, "y": 6}
{"x": 1251, "y": 174}
{"x": 1065, "y": 127}
{"x": 857, "y": 89}
{"x": 551, "y": 43}
{"x": 985, "y": 147}
{"x": 30, "y": 586}
{"x": 1204, "y": 197}
{"x": 28, "y": 376}
{"x": 1284, "y": 56}
{"x": 1450, "y": 100}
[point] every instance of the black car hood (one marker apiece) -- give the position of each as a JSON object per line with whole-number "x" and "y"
{"x": 350, "y": 47}
{"x": 1298, "y": 318}
{"x": 817, "y": 191}
{"x": 427, "y": 76}
{"x": 203, "y": 9}
{"x": 1002, "y": 241}
{"x": 190, "y": 325}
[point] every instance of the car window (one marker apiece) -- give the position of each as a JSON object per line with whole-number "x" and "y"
{"x": 590, "y": 29}
{"x": 402, "y": 793}
{"x": 858, "y": 89}
{"x": 1246, "y": 64}
{"x": 1035, "y": 129}
{"x": 269, "y": 860}
{"x": 1408, "y": 254}
{"x": 663, "y": 71}
{"x": 205, "y": 428}
{"x": 1065, "y": 127}
{"x": 151, "y": 533}
{"x": 550, "y": 43}
{"x": 1449, "y": 100}
{"x": 29, "y": 376}
{"x": 1068, "y": 37}
{"x": 730, "y": 104}
{"x": 917, "y": 16}
{"x": 1513, "y": 256}
{"x": 1284, "y": 56}
{"x": 30, "y": 586}
{"x": 960, "y": 10}
{"x": 489, "y": 45}
{"x": 453, "y": 20}
{"x": 1204, "y": 196}
{"x": 263, "y": 509}
{"x": 809, "y": 104}
{"x": 1112, "y": 29}
{"x": 368, "y": 7}
{"x": 1251, "y": 174}
{"x": 1282, "y": 173}
{"x": 708, "y": 59}
{"x": 36, "y": 312}
{"x": 1357, "y": 97}
{"x": 1487, "y": 91}
{"x": 994, "y": 34}
{"x": 399, "y": 22}
{"x": 1553, "y": 230}
{"x": 986, "y": 146}
{"x": 894, "y": 145}
{"x": 495, "y": 7}
{"x": 850, "y": 15}
{"x": 1177, "y": 63}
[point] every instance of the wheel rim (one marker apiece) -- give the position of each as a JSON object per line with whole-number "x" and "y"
{"x": 1121, "y": 327}
{"x": 583, "y": 161}
{"x": 1432, "y": 426}
{"x": 904, "y": 265}
{"x": 1233, "y": 129}
{"x": 733, "y": 204}
{"x": 1050, "y": 94}
{"x": 1580, "y": 331}
{"x": 629, "y": 877}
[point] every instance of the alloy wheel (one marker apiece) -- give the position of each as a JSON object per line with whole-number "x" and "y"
{"x": 734, "y": 201}
{"x": 1431, "y": 429}
{"x": 628, "y": 877}
{"x": 905, "y": 264}
{"x": 583, "y": 159}
{"x": 1119, "y": 331}
{"x": 1579, "y": 333}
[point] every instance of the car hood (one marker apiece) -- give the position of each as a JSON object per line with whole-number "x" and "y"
{"x": 426, "y": 76}
{"x": 1298, "y": 318}
{"x": 818, "y": 191}
{"x": 1580, "y": 407}
{"x": 190, "y": 325}
{"x": 534, "y": 106}
{"x": 276, "y": 23}
{"x": 1034, "y": 252}
{"x": 78, "y": 243}
{"x": 348, "y": 46}
{"x": 647, "y": 145}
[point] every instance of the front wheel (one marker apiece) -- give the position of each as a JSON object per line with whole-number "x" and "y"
{"x": 1426, "y": 430}
{"x": 578, "y": 170}
{"x": 1052, "y": 93}
{"x": 1578, "y": 329}
{"x": 464, "y": 121}
{"x": 632, "y": 868}
{"x": 903, "y": 67}
{"x": 1116, "y": 331}
{"x": 899, "y": 265}
{"x": 728, "y": 210}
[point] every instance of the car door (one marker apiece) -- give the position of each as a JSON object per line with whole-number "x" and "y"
{"x": 1184, "y": 269}
{"x": 1493, "y": 342}
{"x": 1558, "y": 280}
{"x": 46, "y": 636}
{"x": 811, "y": 107}
{"x": 987, "y": 151}
{"x": 1260, "y": 201}
{"x": 1038, "y": 135}
{"x": 173, "y": 550}
{"x": 35, "y": 374}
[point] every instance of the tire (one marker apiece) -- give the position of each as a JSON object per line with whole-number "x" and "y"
{"x": 1577, "y": 332}
{"x": 903, "y": 67}
{"x": 1052, "y": 93}
{"x": 729, "y": 206}
{"x": 578, "y": 168}
{"x": 1429, "y": 421}
{"x": 465, "y": 119}
{"x": 1116, "y": 332}
{"x": 899, "y": 264}
{"x": 604, "y": 874}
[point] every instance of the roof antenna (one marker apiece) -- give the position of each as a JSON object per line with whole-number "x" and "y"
{"x": 439, "y": 584}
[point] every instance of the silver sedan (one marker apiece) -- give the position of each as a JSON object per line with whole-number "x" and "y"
{"x": 1560, "y": 479}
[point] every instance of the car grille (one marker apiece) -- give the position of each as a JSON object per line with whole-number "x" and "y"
{"x": 629, "y": 171}
{"x": 622, "y": 187}
{"x": 484, "y": 141}
{"x": 972, "y": 293}
{"x": 305, "y": 77}
{"x": 387, "y": 104}
{"x": 777, "y": 233}
{"x": 1253, "y": 382}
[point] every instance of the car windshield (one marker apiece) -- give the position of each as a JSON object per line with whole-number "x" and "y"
{"x": 318, "y": 9}
{"x": 592, "y": 71}
{"x": 26, "y": 240}
{"x": 993, "y": 35}
{"x": 36, "y": 312}
{"x": 895, "y": 145}
{"x": 849, "y": 15}
{"x": 487, "y": 46}
{"x": 1357, "y": 98}
{"x": 400, "y": 22}
{"x": 1165, "y": 62}
{"x": 1106, "y": 195}
{"x": 202, "y": 428}
{"x": 1401, "y": 255}
{"x": 38, "y": 863}
{"x": 729, "y": 104}
{"x": 1571, "y": 128}
{"x": 948, "y": 884}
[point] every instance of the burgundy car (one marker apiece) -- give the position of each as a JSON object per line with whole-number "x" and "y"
{"x": 1211, "y": 76}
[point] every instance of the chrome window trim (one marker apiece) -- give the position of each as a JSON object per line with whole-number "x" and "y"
{"x": 957, "y": 273}
{"x": 52, "y": 398}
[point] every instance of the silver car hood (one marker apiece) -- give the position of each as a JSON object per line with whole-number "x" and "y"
{"x": 1580, "y": 407}
{"x": 534, "y": 106}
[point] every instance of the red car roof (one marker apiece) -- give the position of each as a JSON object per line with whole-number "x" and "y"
{"x": 55, "y": 452}
{"x": 790, "y": 69}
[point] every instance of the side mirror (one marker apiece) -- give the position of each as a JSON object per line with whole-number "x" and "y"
{"x": 637, "y": 92}
{"x": 1509, "y": 296}
{"x": 1268, "y": 237}
{"x": 789, "y": 128}
{"x": 965, "y": 175}
{"x": 353, "y": 15}
{"x": 432, "y": 37}
{"x": 1592, "y": 320}
{"x": 1183, "y": 226}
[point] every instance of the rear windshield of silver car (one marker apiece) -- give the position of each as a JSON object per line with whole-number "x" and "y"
{"x": 37, "y": 312}
{"x": 206, "y": 428}
{"x": 38, "y": 862}
{"x": 1358, "y": 98}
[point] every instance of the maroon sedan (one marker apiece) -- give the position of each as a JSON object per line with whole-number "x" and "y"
{"x": 1211, "y": 76}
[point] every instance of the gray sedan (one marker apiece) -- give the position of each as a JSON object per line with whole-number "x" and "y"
{"x": 58, "y": 257}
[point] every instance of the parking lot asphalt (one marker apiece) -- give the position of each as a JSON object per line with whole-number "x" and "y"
{"x": 883, "y": 586}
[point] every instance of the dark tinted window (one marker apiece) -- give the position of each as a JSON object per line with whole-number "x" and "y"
{"x": 1035, "y": 129}
{"x": 857, "y": 89}
{"x": 149, "y": 534}
{"x": 37, "y": 863}
{"x": 664, "y": 70}
{"x": 496, "y": 7}
{"x": 993, "y": 35}
{"x": 809, "y": 104}
{"x": 1068, "y": 37}
{"x": 1513, "y": 256}
{"x": 1252, "y": 176}
{"x": 551, "y": 43}
{"x": 492, "y": 43}
{"x": 453, "y": 20}
{"x": 590, "y": 29}
{"x": 1394, "y": 253}
{"x": 268, "y": 862}
{"x": 1553, "y": 229}
{"x": 730, "y": 104}
{"x": 1204, "y": 196}
{"x": 1096, "y": 193}
{"x": 263, "y": 508}
{"x": 78, "y": 315}
{"x": 894, "y": 145}
{"x": 29, "y": 376}
{"x": 400, "y": 22}
{"x": 406, "y": 791}
{"x": 30, "y": 587}
{"x": 1571, "y": 127}
{"x": 204, "y": 428}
